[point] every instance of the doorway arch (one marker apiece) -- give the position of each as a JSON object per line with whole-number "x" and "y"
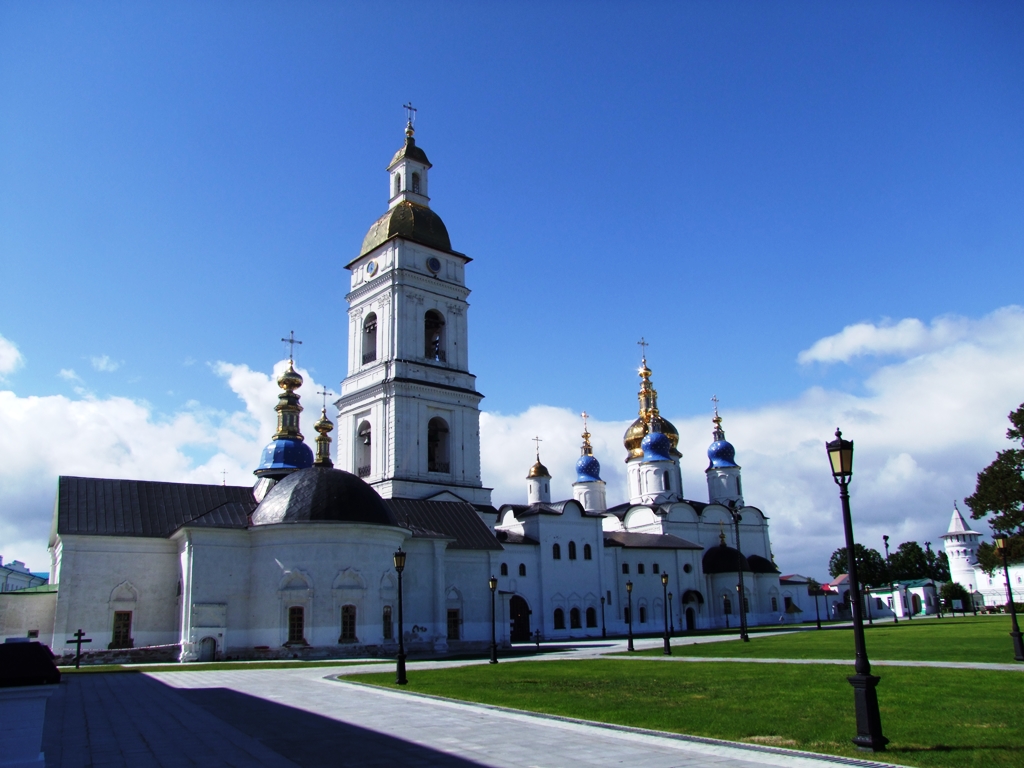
{"x": 916, "y": 601}
{"x": 691, "y": 620}
{"x": 519, "y": 610}
{"x": 207, "y": 649}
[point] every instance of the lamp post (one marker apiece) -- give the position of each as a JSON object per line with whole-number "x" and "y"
{"x": 629, "y": 613}
{"x": 400, "y": 678}
{"x": 817, "y": 614}
{"x": 1018, "y": 646}
{"x": 604, "y": 631}
{"x": 664, "y": 593}
{"x": 869, "y": 720}
{"x": 888, "y": 572}
{"x": 741, "y": 592}
{"x": 493, "y": 584}
{"x": 974, "y": 606}
{"x": 671, "y": 621}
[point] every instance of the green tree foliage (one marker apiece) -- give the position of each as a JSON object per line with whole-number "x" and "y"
{"x": 952, "y": 591}
{"x": 1000, "y": 488}
{"x": 908, "y": 562}
{"x": 938, "y": 563}
{"x": 992, "y": 562}
{"x": 870, "y": 565}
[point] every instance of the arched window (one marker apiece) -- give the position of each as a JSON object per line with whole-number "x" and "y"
{"x": 665, "y": 484}
{"x": 625, "y": 568}
{"x": 587, "y": 552}
{"x": 522, "y": 569}
{"x": 572, "y": 550}
{"x": 640, "y": 568}
{"x": 437, "y": 445}
{"x": 416, "y": 183}
{"x": 296, "y": 625}
{"x": 398, "y": 184}
{"x": 433, "y": 336}
{"x": 591, "y": 617}
{"x": 504, "y": 569}
{"x": 643, "y": 614}
{"x": 363, "y": 448}
{"x": 574, "y": 619}
{"x": 775, "y": 604}
{"x": 370, "y": 338}
{"x": 654, "y": 568}
{"x": 559, "y": 618}
{"x": 556, "y": 552}
{"x": 726, "y": 606}
{"x": 348, "y": 624}
{"x": 389, "y": 628}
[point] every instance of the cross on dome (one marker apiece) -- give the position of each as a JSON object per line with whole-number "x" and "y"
{"x": 291, "y": 341}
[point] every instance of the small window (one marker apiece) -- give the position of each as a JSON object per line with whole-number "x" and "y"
{"x": 609, "y": 600}
{"x": 625, "y": 614}
{"x": 363, "y": 449}
{"x": 433, "y": 335}
{"x": 437, "y": 445}
{"x": 389, "y": 630}
{"x": 348, "y": 623}
{"x": 625, "y": 568}
{"x": 654, "y": 568}
{"x": 665, "y": 484}
{"x": 122, "y": 630}
{"x": 588, "y": 553}
{"x": 787, "y": 601}
{"x": 739, "y": 486}
{"x": 416, "y": 183}
{"x": 727, "y": 606}
{"x": 370, "y": 338}
{"x": 746, "y": 604}
{"x": 453, "y": 624}
{"x": 687, "y": 568}
{"x": 398, "y": 183}
{"x": 33, "y": 634}
{"x": 522, "y": 569}
{"x": 556, "y": 552}
{"x": 504, "y": 569}
{"x": 591, "y": 617}
{"x": 639, "y": 568}
{"x": 296, "y": 625}
{"x": 559, "y": 618}
{"x": 643, "y": 614}
{"x": 574, "y": 619}
{"x": 775, "y": 605}
{"x": 572, "y": 550}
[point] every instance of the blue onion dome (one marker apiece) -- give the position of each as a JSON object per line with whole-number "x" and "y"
{"x": 588, "y": 469}
{"x": 285, "y": 453}
{"x": 656, "y": 447}
{"x": 722, "y": 454}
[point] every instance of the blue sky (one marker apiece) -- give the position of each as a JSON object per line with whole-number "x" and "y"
{"x": 182, "y": 184}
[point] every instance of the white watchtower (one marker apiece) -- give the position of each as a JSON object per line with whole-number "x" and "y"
{"x": 961, "y": 545}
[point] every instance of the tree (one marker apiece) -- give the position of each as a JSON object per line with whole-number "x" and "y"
{"x": 938, "y": 563}
{"x": 991, "y": 561}
{"x": 952, "y": 591}
{"x": 909, "y": 562}
{"x": 1000, "y": 488}
{"x": 870, "y": 565}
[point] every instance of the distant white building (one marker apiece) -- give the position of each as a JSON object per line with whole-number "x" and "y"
{"x": 961, "y": 544}
{"x": 16, "y": 575}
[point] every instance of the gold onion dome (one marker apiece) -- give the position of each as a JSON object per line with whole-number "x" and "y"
{"x": 649, "y": 420}
{"x": 290, "y": 379}
{"x": 410, "y": 221}
{"x": 538, "y": 470}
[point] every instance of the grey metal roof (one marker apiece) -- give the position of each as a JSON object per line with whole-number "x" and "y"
{"x": 540, "y": 508}
{"x": 511, "y": 537}
{"x": 455, "y": 519}
{"x": 620, "y": 510}
{"x": 647, "y": 541}
{"x": 101, "y": 507}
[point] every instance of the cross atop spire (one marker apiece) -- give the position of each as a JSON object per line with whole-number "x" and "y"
{"x": 714, "y": 399}
{"x": 643, "y": 346}
{"x": 538, "y": 441}
{"x": 291, "y": 341}
{"x": 410, "y": 112}
{"x": 326, "y": 393}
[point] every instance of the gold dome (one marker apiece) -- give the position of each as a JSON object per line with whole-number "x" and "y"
{"x": 638, "y": 431}
{"x": 290, "y": 379}
{"x": 538, "y": 470}
{"x": 411, "y": 221}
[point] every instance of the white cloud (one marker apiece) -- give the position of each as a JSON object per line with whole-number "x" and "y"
{"x": 905, "y": 338}
{"x": 10, "y": 358}
{"x": 68, "y": 374}
{"x": 104, "y": 363}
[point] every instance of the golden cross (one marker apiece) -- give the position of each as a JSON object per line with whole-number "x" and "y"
{"x": 291, "y": 341}
{"x": 585, "y": 416}
{"x": 643, "y": 345}
{"x": 410, "y": 111}
{"x": 326, "y": 394}
{"x": 538, "y": 441}
{"x": 714, "y": 399}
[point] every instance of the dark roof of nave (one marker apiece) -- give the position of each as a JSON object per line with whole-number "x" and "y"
{"x": 457, "y": 520}
{"x": 322, "y": 494}
{"x": 511, "y": 537}
{"x": 541, "y": 508}
{"x": 620, "y": 510}
{"x": 723, "y": 559}
{"x": 103, "y": 507}
{"x": 760, "y": 564}
{"x": 647, "y": 541}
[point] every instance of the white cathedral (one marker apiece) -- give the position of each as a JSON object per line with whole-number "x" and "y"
{"x": 301, "y": 564}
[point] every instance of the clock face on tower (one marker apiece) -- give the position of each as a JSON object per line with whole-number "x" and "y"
{"x": 434, "y": 264}
{"x": 371, "y": 268}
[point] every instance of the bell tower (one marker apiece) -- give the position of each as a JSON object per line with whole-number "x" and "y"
{"x": 409, "y": 412}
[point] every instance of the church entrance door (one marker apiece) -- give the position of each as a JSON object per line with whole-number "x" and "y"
{"x": 207, "y": 649}
{"x": 520, "y": 612}
{"x": 691, "y": 620}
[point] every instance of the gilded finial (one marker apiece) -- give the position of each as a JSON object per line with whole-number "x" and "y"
{"x": 721, "y": 533}
{"x": 586, "y": 450}
{"x": 323, "y": 427}
{"x": 647, "y": 396}
{"x": 719, "y": 433}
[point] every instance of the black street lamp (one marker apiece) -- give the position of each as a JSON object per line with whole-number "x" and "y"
{"x": 1018, "y": 646}
{"x": 817, "y": 614}
{"x": 739, "y": 569}
{"x": 664, "y": 592}
{"x": 604, "y": 631}
{"x": 671, "y": 621}
{"x": 869, "y": 720}
{"x": 493, "y": 584}
{"x": 629, "y": 613}
{"x": 400, "y": 566}
{"x": 888, "y": 572}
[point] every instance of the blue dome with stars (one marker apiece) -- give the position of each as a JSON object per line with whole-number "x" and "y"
{"x": 722, "y": 454}
{"x": 588, "y": 469}
{"x": 656, "y": 447}
{"x": 286, "y": 454}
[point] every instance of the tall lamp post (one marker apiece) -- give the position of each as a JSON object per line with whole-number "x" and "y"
{"x": 888, "y": 572}
{"x": 664, "y": 593}
{"x": 869, "y": 720}
{"x": 400, "y": 678}
{"x": 629, "y": 613}
{"x": 1018, "y": 646}
{"x": 604, "y": 631}
{"x": 741, "y": 592}
{"x": 493, "y": 584}
{"x": 671, "y": 621}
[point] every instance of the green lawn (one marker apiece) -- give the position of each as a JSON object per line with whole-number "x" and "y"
{"x": 934, "y": 717}
{"x": 982, "y": 638}
{"x": 208, "y": 666}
